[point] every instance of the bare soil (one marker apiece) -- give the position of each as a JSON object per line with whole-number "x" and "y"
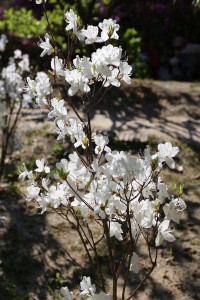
{"x": 33, "y": 259}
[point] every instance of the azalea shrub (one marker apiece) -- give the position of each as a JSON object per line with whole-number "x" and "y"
{"x": 12, "y": 99}
{"x": 95, "y": 188}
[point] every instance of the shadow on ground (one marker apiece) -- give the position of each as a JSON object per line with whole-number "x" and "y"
{"x": 25, "y": 240}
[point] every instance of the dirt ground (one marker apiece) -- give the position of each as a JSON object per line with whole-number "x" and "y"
{"x": 33, "y": 259}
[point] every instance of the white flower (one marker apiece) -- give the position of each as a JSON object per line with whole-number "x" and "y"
{"x": 134, "y": 263}
{"x": 62, "y": 129}
{"x": 109, "y": 55}
{"x": 33, "y": 192}
{"x": 71, "y": 18}
{"x": 23, "y": 173}
{"x": 73, "y": 23}
{"x": 75, "y": 129}
{"x": 146, "y": 213}
{"x": 24, "y": 64}
{"x": 57, "y": 66}
{"x": 173, "y": 209}
{"x": 41, "y": 167}
{"x": 113, "y": 79}
{"x": 58, "y": 195}
{"x": 116, "y": 230}
{"x": 162, "y": 191}
{"x": 165, "y": 154}
{"x": 59, "y": 110}
{"x": 45, "y": 45}
{"x": 63, "y": 165}
{"x": 87, "y": 288}
{"x": 109, "y": 29}
{"x": 17, "y": 54}
{"x": 66, "y": 294}
{"x": 101, "y": 142}
{"x": 30, "y": 88}
{"x": 125, "y": 72}
{"x": 91, "y": 34}
{"x": 39, "y": 89}
{"x": 164, "y": 233}
{"x": 77, "y": 81}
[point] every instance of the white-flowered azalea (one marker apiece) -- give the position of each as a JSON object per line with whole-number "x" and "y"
{"x": 166, "y": 153}
{"x": 96, "y": 183}
{"x": 30, "y": 87}
{"x": 87, "y": 288}
{"x": 91, "y": 34}
{"x": 32, "y": 192}
{"x": 17, "y": 54}
{"x": 59, "y": 110}
{"x": 101, "y": 142}
{"x": 164, "y": 233}
{"x": 23, "y": 173}
{"x": 125, "y": 72}
{"x": 13, "y": 98}
{"x": 58, "y": 195}
{"x": 74, "y": 24}
{"x": 173, "y": 209}
{"x": 62, "y": 129}
{"x": 39, "y": 88}
{"x": 84, "y": 66}
{"x": 41, "y": 167}
{"x": 109, "y": 55}
{"x": 71, "y": 18}
{"x": 146, "y": 213}
{"x": 66, "y": 294}
{"x": 162, "y": 191}
{"x": 63, "y": 165}
{"x": 77, "y": 81}
{"x": 113, "y": 79}
{"x": 45, "y": 45}
{"x": 23, "y": 64}
{"x": 116, "y": 230}
{"x": 57, "y": 66}
{"x": 75, "y": 129}
{"x": 109, "y": 29}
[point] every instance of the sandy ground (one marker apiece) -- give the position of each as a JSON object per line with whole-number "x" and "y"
{"x": 33, "y": 261}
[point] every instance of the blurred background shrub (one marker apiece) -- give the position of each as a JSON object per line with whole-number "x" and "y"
{"x": 157, "y": 21}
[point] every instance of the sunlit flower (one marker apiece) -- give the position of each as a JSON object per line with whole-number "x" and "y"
{"x": 45, "y": 45}
{"x": 41, "y": 167}
{"x": 109, "y": 29}
{"x": 164, "y": 233}
{"x": 165, "y": 154}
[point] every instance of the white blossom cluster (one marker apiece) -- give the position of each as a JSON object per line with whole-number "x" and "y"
{"x": 87, "y": 292}
{"x": 39, "y": 89}
{"x": 105, "y": 65}
{"x": 122, "y": 186}
{"x": 106, "y": 29}
{"x": 12, "y": 96}
{"x": 12, "y": 77}
{"x": 112, "y": 186}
